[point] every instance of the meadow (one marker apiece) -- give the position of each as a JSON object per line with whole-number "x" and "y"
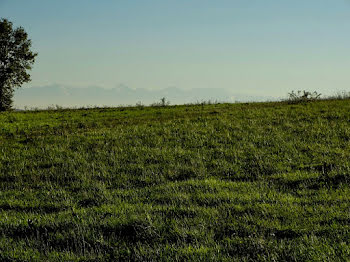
{"x": 219, "y": 182}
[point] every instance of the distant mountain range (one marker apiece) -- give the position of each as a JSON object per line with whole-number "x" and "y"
{"x": 122, "y": 95}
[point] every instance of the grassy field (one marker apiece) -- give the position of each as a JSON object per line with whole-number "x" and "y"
{"x": 225, "y": 182}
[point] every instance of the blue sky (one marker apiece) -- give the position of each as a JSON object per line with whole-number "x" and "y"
{"x": 254, "y": 47}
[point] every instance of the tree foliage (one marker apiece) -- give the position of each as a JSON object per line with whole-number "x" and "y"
{"x": 16, "y": 59}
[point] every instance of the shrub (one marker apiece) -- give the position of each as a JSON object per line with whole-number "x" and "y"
{"x": 303, "y": 96}
{"x": 163, "y": 102}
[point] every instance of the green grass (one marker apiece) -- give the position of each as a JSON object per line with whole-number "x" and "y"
{"x": 226, "y": 182}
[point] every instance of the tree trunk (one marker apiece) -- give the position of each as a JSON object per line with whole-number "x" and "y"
{"x": 6, "y": 95}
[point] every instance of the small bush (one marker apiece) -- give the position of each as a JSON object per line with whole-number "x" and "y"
{"x": 163, "y": 102}
{"x": 139, "y": 105}
{"x": 303, "y": 96}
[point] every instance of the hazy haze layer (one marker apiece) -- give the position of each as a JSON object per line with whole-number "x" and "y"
{"x": 262, "y": 48}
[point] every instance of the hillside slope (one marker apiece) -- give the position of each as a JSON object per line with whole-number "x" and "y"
{"x": 226, "y": 182}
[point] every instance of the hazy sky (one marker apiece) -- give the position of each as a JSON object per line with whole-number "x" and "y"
{"x": 261, "y": 47}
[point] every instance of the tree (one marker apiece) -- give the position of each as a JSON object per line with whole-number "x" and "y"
{"x": 16, "y": 59}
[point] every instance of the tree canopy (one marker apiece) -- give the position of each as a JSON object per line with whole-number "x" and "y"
{"x": 16, "y": 58}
